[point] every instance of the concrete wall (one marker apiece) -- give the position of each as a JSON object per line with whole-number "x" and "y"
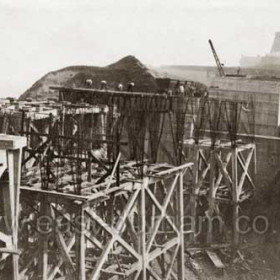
{"x": 264, "y": 93}
{"x": 206, "y": 74}
{"x": 268, "y": 159}
{"x": 246, "y": 85}
{"x": 266, "y": 97}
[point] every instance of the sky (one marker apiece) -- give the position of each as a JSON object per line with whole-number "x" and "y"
{"x": 39, "y": 36}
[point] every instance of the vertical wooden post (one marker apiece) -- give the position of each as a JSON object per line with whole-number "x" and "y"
{"x": 22, "y": 131}
{"x": 180, "y": 220}
{"x": 12, "y": 145}
{"x": 194, "y": 191}
{"x": 153, "y": 211}
{"x": 255, "y": 161}
{"x": 103, "y": 131}
{"x": 43, "y": 241}
{"x": 89, "y": 166}
{"x": 235, "y": 196}
{"x": 143, "y": 227}
{"x": 117, "y": 154}
{"x": 212, "y": 194}
{"x": 80, "y": 242}
{"x": 14, "y": 169}
{"x": 103, "y": 126}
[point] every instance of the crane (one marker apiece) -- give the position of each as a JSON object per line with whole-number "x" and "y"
{"x": 219, "y": 65}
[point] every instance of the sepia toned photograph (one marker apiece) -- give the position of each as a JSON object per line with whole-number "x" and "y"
{"x": 139, "y": 140}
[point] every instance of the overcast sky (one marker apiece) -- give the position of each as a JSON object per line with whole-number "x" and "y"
{"x": 38, "y": 36}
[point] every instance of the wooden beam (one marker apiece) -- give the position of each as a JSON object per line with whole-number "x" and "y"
{"x": 212, "y": 195}
{"x": 195, "y": 190}
{"x": 162, "y": 214}
{"x": 245, "y": 166}
{"x": 145, "y": 262}
{"x": 235, "y": 197}
{"x": 180, "y": 219}
{"x": 43, "y": 243}
{"x": 80, "y": 243}
{"x": 215, "y": 259}
{"x": 55, "y": 269}
{"x": 222, "y": 168}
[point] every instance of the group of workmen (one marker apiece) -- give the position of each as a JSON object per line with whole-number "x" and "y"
{"x": 104, "y": 86}
{"x": 185, "y": 89}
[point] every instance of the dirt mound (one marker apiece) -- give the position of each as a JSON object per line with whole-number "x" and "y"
{"x": 123, "y": 71}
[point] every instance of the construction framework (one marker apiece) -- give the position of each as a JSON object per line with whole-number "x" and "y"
{"x": 10, "y": 159}
{"x": 109, "y": 178}
{"x": 224, "y": 166}
{"x": 220, "y": 175}
{"x": 112, "y": 231}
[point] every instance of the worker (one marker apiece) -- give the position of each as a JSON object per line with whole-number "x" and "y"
{"x": 120, "y": 87}
{"x": 177, "y": 87}
{"x": 181, "y": 89}
{"x": 193, "y": 90}
{"x": 103, "y": 85}
{"x": 169, "y": 92}
{"x": 130, "y": 86}
{"x": 88, "y": 83}
{"x": 187, "y": 90}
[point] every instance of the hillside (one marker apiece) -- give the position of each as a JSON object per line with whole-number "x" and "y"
{"x": 129, "y": 69}
{"x": 123, "y": 71}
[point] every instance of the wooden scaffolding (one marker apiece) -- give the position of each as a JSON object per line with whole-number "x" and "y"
{"x": 10, "y": 161}
{"x": 106, "y": 182}
{"x": 131, "y": 230}
{"x": 224, "y": 174}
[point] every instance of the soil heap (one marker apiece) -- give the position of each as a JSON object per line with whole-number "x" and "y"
{"x": 123, "y": 71}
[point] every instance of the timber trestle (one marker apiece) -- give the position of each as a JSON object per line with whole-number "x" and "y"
{"x": 131, "y": 230}
{"x": 10, "y": 174}
{"x": 224, "y": 176}
{"x": 110, "y": 180}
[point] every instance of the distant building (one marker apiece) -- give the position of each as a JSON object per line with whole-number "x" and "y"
{"x": 250, "y": 61}
{"x": 271, "y": 59}
{"x": 275, "y": 49}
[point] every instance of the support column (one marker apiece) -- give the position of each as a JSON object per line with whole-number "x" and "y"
{"x": 180, "y": 219}
{"x": 194, "y": 192}
{"x": 212, "y": 195}
{"x": 235, "y": 196}
{"x": 143, "y": 227}
{"x": 80, "y": 243}
{"x": 43, "y": 239}
{"x": 10, "y": 195}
